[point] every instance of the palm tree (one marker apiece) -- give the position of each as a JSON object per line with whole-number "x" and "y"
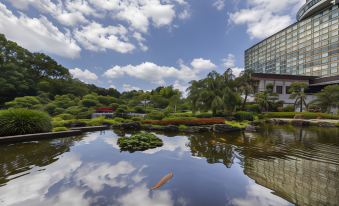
{"x": 297, "y": 90}
{"x": 328, "y": 97}
{"x": 246, "y": 85}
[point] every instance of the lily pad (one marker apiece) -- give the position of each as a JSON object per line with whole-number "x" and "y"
{"x": 139, "y": 142}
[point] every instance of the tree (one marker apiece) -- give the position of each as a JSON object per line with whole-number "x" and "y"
{"x": 297, "y": 90}
{"x": 328, "y": 97}
{"x": 246, "y": 85}
{"x": 216, "y": 92}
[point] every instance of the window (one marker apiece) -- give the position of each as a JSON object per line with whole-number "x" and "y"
{"x": 279, "y": 89}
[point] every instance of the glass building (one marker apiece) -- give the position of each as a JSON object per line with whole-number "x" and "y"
{"x": 310, "y": 47}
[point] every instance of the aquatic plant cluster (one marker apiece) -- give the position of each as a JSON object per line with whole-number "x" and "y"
{"x": 139, "y": 142}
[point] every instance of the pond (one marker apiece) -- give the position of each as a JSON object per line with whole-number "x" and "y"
{"x": 276, "y": 166}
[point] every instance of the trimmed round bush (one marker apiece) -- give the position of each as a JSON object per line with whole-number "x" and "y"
{"x": 23, "y": 121}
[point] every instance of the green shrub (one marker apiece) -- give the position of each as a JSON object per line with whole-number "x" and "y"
{"x": 155, "y": 115}
{"x": 204, "y": 115}
{"x": 66, "y": 116}
{"x": 288, "y": 108}
{"x": 183, "y": 114}
{"x": 139, "y": 142}
{"x": 306, "y": 115}
{"x": 253, "y": 108}
{"x": 60, "y": 129}
{"x": 182, "y": 127}
{"x": 179, "y": 118}
{"x": 242, "y": 116}
{"x": 23, "y": 121}
{"x": 137, "y": 119}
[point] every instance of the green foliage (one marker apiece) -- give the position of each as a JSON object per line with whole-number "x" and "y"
{"x": 297, "y": 90}
{"x": 183, "y": 127}
{"x": 89, "y": 103}
{"x": 23, "y": 73}
{"x": 60, "y": 129}
{"x": 242, "y": 116}
{"x": 139, "y": 142}
{"x": 306, "y": 115}
{"x": 155, "y": 115}
{"x": 204, "y": 115}
{"x": 241, "y": 125}
{"x": 137, "y": 119}
{"x": 253, "y": 108}
{"x": 139, "y": 109}
{"x": 216, "y": 93}
{"x": 328, "y": 97}
{"x": 28, "y": 102}
{"x": 65, "y": 116}
{"x": 23, "y": 121}
{"x": 288, "y": 108}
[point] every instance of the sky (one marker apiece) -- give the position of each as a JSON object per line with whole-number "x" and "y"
{"x": 143, "y": 44}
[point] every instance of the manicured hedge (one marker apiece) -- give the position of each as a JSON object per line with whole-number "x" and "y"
{"x": 306, "y": 115}
{"x": 23, "y": 121}
{"x": 193, "y": 122}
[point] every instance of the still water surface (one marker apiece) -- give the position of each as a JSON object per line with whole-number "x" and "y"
{"x": 277, "y": 166}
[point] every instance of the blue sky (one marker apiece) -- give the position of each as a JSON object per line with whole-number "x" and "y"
{"x": 142, "y": 44}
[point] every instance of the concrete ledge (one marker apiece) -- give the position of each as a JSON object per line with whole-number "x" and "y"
{"x": 91, "y": 129}
{"x": 51, "y": 135}
{"x": 39, "y": 136}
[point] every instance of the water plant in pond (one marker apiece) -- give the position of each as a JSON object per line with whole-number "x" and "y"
{"x": 23, "y": 121}
{"x": 139, "y": 142}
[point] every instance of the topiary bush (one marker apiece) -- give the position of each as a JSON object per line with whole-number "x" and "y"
{"x": 23, "y": 121}
{"x": 139, "y": 142}
{"x": 242, "y": 116}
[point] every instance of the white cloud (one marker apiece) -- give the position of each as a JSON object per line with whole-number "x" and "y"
{"x": 135, "y": 16}
{"x": 229, "y": 61}
{"x": 201, "y": 64}
{"x": 236, "y": 71}
{"x": 219, "y": 4}
{"x": 141, "y": 194}
{"x": 128, "y": 88}
{"x": 83, "y": 74}
{"x": 266, "y": 17}
{"x": 156, "y": 74}
{"x": 37, "y": 34}
{"x": 95, "y": 37}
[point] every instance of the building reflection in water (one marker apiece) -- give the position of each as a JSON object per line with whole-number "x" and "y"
{"x": 300, "y": 165}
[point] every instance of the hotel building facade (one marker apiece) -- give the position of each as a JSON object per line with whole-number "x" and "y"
{"x": 307, "y": 50}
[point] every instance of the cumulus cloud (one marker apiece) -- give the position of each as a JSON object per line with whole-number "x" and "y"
{"x": 266, "y": 17}
{"x": 201, "y": 64}
{"x": 83, "y": 74}
{"x": 156, "y": 74}
{"x": 134, "y": 18}
{"x": 37, "y": 34}
{"x": 96, "y": 37}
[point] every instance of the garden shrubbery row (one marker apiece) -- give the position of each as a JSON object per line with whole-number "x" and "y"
{"x": 305, "y": 115}
{"x": 189, "y": 122}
